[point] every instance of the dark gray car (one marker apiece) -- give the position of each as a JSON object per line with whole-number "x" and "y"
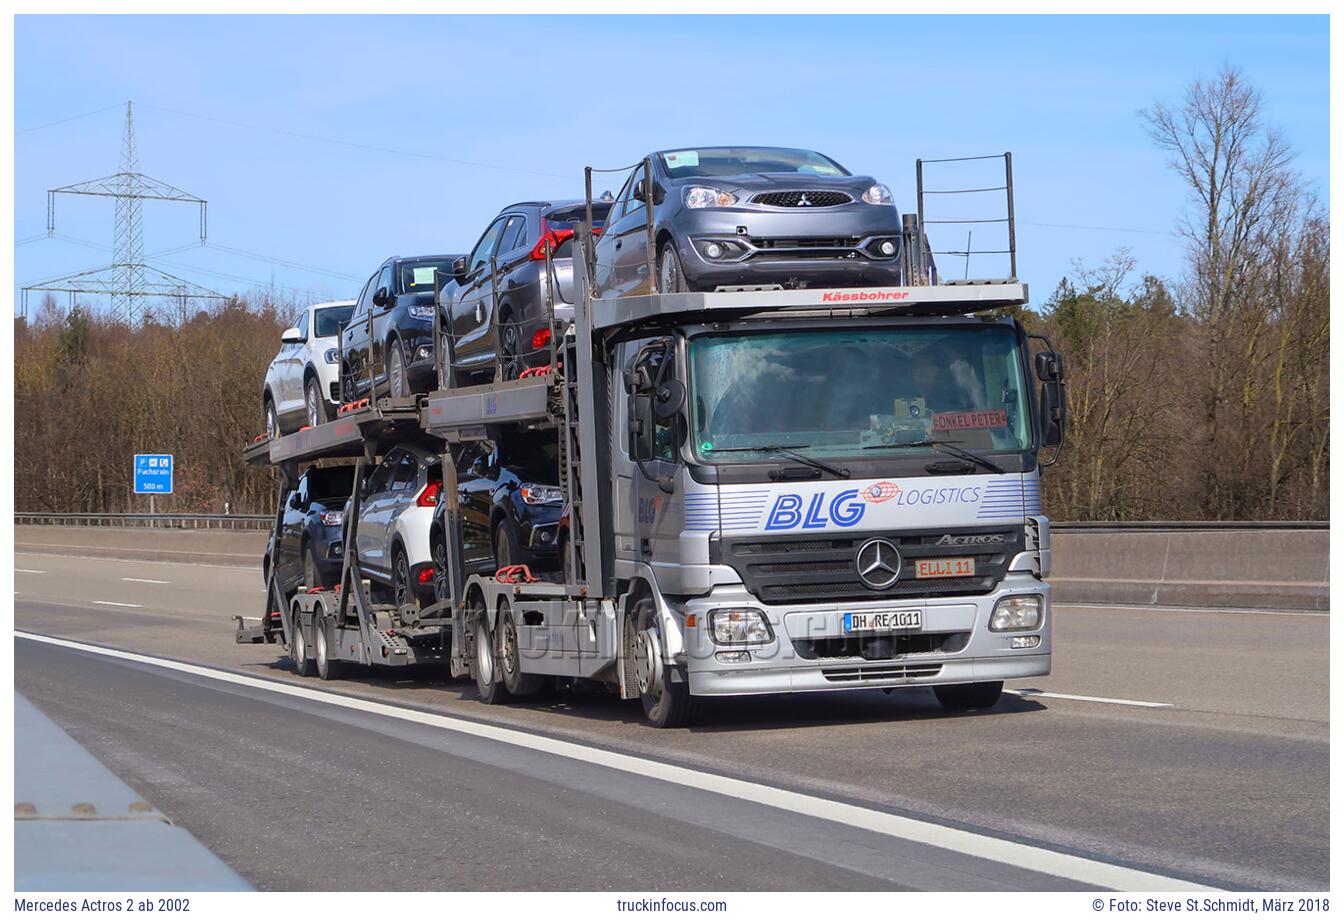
{"x": 731, "y": 216}
{"x": 505, "y": 312}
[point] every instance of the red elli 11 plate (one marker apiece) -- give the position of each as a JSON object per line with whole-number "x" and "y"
{"x": 962, "y": 567}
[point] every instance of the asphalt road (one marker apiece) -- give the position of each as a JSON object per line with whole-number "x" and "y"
{"x": 1225, "y": 783}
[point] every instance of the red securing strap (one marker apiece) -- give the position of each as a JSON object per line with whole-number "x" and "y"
{"x": 259, "y": 438}
{"x": 315, "y": 590}
{"x": 516, "y": 575}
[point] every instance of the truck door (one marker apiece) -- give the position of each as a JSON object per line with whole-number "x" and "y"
{"x": 657, "y": 515}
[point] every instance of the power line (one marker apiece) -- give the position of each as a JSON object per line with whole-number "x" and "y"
{"x": 61, "y": 121}
{"x": 1027, "y": 223}
{"x": 357, "y": 145}
{"x": 285, "y": 262}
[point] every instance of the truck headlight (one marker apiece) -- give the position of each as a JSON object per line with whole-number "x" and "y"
{"x": 332, "y": 355}
{"x": 699, "y": 196}
{"x": 739, "y": 626}
{"x": 1018, "y": 612}
{"x": 878, "y": 194}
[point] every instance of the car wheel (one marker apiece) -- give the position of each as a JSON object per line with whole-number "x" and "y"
{"x": 506, "y": 546}
{"x": 403, "y": 590}
{"x": 442, "y": 589}
{"x": 347, "y": 384}
{"x": 960, "y": 697}
{"x": 671, "y": 279}
{"x": 396, "y": 370}
{"x": 272, "y": 420}
{"x": 510, "y": 659}
{"x": 510, "y": 339}
{"x": 314, "y": 406}
{"x": 447, "y": 373}
{"x": 667, "y": 704}
{"x": 311, "y": 577}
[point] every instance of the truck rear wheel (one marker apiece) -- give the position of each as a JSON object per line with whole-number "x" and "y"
{"x": 484, "y": 662}
{"x": 510, "y": 659}
{"x": 667, "y": 703}
{"x": 960, "y": 697}
{"x": 328, "y": 668}
{"x": 298, "y": 646}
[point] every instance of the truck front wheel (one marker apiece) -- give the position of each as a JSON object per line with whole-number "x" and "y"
{"x": 961, "y": 697}
{"x": 667, "y": 704}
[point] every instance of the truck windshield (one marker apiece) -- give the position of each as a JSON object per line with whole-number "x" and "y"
{"x": 857, "y": 392}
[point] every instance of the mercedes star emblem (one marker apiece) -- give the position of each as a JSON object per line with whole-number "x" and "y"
{"x": 878, "y": 563}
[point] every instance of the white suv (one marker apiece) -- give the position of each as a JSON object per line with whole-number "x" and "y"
{"x": 301, "y": 383}
{"x": 395, "y": 515}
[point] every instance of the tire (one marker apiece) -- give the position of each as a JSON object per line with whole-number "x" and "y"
{"x": 403, "y": 589}
{"x": 328, "y": 668}
{"x": 484, "y": 665}
{"x": 314, "y": 406}
{"x": 439, "y": 551}
{"x": 509, "y": 658}
{"x": 299, "y": 651}
{"x": 447, "y": 375}
{"x": 398, "y": 384}
{"x": 671, "y": 278}
{"x": 510, "y": 347}
{"x": 962, "y": 697}
{"x": 272, "y": 420}
{"x": 666, "y": 704}
{"x": 506, "y": 546}
{"x": 311, "y": 576}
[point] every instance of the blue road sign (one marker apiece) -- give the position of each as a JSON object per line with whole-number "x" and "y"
{"x": 154, "y": 474}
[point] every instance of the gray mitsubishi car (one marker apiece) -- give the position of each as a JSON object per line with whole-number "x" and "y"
{"x": 738, "y": 216}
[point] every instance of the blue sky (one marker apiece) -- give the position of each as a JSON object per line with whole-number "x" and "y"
{"x": 541, "y": 97}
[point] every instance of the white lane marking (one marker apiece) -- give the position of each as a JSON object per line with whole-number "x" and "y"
{"x": 1226, "y": 611}
{"x": 148, "y": 581}
{"x": 1090, "y": 699}
{"x": 115, "y": 604}
{"x": 31, "y": 571}
{"x": 1037, "y": 859}
{"x": 135, "y": 561}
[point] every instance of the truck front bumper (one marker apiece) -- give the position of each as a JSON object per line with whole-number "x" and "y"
{"x": 807, "y": 651}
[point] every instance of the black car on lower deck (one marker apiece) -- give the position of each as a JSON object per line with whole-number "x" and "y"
{"x": 310, "y": 551}
{"x": 387, "y": 348}
{"x": 508, "y": 502}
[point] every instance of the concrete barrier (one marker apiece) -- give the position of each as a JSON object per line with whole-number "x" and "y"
{"x": 1275, "y": 569}
{"x": 1264, "y": 569}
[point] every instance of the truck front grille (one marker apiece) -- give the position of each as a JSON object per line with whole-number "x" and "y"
{"x": 787, "y": 569}
{"x": 860, "y": 672}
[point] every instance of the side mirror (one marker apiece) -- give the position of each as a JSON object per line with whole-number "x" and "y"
{"x": 294, "y": 500}
{"x": 460, "y": 269}
{"x": 1054, "y": 414}
{"x": 381, "y": 298}
{"x": 1049, "y": 366}
{"x": 641, "y": 427}
{"x": 668, "y": 399}
{"x": 291, "y": 336}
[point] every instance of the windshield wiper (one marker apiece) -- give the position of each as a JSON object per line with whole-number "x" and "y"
{"x": 838, "y": 472}
{"x": 947, "y": 447}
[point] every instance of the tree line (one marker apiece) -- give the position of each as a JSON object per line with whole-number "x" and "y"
{"x": 1199, "y": 397}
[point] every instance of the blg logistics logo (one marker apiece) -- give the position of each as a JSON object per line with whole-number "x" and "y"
{"x": 792, "y": 510}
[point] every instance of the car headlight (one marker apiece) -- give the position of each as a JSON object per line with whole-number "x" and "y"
{"x": 1013, "y": 613}
{"x": 535, "y": 494}
{"x": 333, "y": 518}
{"x": 699, "y": 196}
{"x": 878, "y": 194}
{"x": 739, "y": 626}
{"x": 421, "y": 310}
{"x": 332, "y": 355}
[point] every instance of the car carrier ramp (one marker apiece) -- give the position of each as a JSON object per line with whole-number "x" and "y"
{"x": 455, "y": 414}
{"x": 388, "y": 420}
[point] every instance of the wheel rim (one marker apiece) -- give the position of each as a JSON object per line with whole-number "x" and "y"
{"x": 321, "y": 650}
{"x": 485, "y": 658}
{"x": 271, "y": 422}
{"x": 300, "y": 646}
{"x": 667, "y": 276}
{"x": 398, "y": 372}
{"x": 509, "y": 348}
{"x": 508, "y": 644}
{"x": 440, "y": 572}
{"x": 648, "y": 663}
{"x": 312, "y": 404}
{"x": 403, "y": 585}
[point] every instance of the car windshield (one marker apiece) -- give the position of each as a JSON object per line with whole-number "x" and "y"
{"x": 857, "y": 393}
{"x": 708, "y": 162}
{"x": 327, "y": 322}
{"x": 533, "y": 456}
{"x": 332, "y": 482}
{"x": 418, "y": 277}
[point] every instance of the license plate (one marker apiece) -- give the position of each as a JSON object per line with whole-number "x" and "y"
{"x": 945, "y": 568}
{"x": 883, "y": 621}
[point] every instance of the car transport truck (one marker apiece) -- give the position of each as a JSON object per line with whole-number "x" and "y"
{"x": 769, "y": 491}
